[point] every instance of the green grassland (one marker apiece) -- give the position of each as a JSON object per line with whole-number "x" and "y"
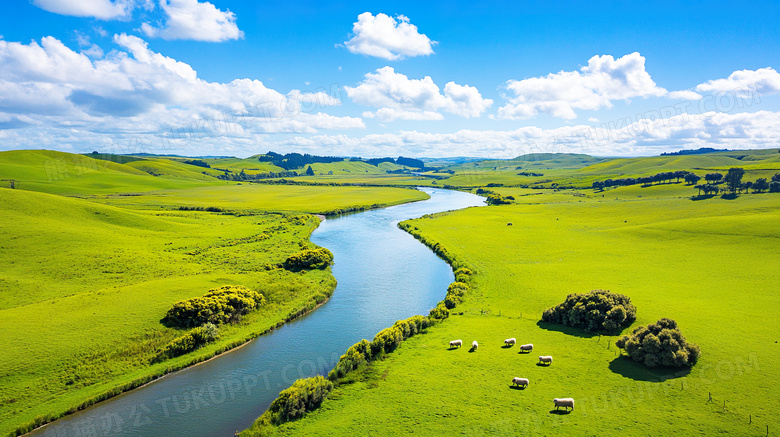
{"x": 711, "y": 265}
{"x": 87, "y": 278}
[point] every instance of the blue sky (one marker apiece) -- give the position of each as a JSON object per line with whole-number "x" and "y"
{"x": 489, "y": 79}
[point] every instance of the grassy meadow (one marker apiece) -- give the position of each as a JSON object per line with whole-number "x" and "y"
{"x": 709, "y": 264}
{"x": 88, "y": 276}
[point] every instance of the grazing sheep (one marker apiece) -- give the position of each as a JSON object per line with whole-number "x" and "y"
{"x": 509, "y": 341}
{"x": 527, "y": 347}
{"x": 564, "y": 402}
{"x": 545, "y": 359}
{"x": 457, "y": 343}
{"x": 474, "y": 345}
{"x": 520, "y": 381}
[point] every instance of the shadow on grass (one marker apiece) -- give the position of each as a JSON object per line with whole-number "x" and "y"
{"x": 702, "y": 197}
{"x": 518, "y": 387}
{"x": 452, "y": 348}
{"x": 629, "y": 368}
{"x": 561, "y": 412}
{"x": 541, "y": 364}
{"x": 729, "y": 196}
{"x": 524, "y": 352}
{"x": 507, "y": 346}
{"x": 568, "y": 330}
{"x": 472, "y": 350}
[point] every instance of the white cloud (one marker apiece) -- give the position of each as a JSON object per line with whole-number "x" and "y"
{"x": 595, "y": 86}
{"x": 745, "y": 83}
{"x": 135, "y": 90}
{"x": 684, "y": 95}
{"x": 193, "y": 20}
{"x": 386, "y": 37}
{"x": 399, "y": 97}
{"x": 643, "y": 136}
{"x": 100, "y": 9}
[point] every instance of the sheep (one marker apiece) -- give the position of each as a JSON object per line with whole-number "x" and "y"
{"x": 474, "y": 345}
{"x": 564, "y": 402}
{"x": 545, "y": 359}
{"x": 527, "y": 347}
{"x": 456, "y": 343}
{"x": 520, "y": 381}
{"x": 509, "y": 341}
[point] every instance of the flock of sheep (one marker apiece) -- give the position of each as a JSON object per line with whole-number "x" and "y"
{"x": 517, "y": 381}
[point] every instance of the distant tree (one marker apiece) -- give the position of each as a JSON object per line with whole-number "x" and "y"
{"x": 760, "y": 185}
{"x": 599, "y": 310}
{"x": 680, "y": 174}
{"x": 691, "y": 178}
{"x": 309, "y": 171}
{"x": 774, "y": 187}
{"x": 734, "y": 178}
{"x": 747, "y": 185}
{"x": 713, "y": 177}
{"x": 699, "y": 187}
{"x": 598, "y": 185}
{"x": 776, "y": 177}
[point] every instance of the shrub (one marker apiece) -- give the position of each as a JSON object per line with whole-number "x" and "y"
{"x": 440, "y": 312}
{"x": 219, "y": 305}
{"x": 309, "y": 259}
{"x": 385, "y": 341}
{"x": 497, "y": 199}
{"x": 303, "y": 396}
{"x": 660, "y": 344}
{"x": 189, "y": 341}
{"x": 455, "y": 293}
{"x": 463, "y": 274}
{"x": 599, "y": 310}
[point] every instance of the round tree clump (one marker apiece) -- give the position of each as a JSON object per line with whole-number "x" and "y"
{"x": 599, "y": 310}
{"x": 660, "y": 344}
{"x": 309, "y": 259}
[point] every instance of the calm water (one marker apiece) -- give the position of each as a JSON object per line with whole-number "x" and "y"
{"x": 383, "y": 275}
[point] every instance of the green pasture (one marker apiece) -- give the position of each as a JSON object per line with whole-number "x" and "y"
{"x": 710, "y": 264}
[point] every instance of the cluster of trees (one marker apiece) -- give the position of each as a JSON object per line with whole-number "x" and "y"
{"x": 197, "y": 162}
{"x": 303, "y": 396}
{"x": 220, "y": 305}
{"x": 309, "y": 259}
{"x": 494, "y": 198}
{"x": 646, "y": 180}
{"x": 244, "y": 176}
{"x": 385, "y": 341}
{"x": 598, "y": 310}
{"x": 455, "y": 293}
{"x": 189, "y": 342}
{"x": 733, "y": 180}
{"x": 290, "y": 161}
{"x": 699, "y": 151}
{"x": 660, "y": 344}
{"x": 529, "y": 173}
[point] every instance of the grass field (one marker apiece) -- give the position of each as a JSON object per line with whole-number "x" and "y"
{"x": 711, "y": 265}
{"x": 85, "y": 281}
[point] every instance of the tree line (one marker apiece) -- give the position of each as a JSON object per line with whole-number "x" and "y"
{"x": 732, "y": 179}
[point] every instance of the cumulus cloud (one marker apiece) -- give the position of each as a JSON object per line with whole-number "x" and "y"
{"x": 399, "y": 97}
{"x": 193, "y": 20}
{"x": 745, "y": 83}
{"x": 386, "y": 37}
{"x": 684, "y": 95}
{"x": 136, "y": 90}
{"x": 100, "y": 9}
{"x": 595, "y": 86}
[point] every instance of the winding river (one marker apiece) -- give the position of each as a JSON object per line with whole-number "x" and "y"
{"x": 383, "y": 275}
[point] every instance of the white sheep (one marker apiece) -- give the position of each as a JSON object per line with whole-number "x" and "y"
{"x": 457, "y": 343}
{"x": 509, "y": 341}
{"x": 545, "y": 359}
{"x": 527, "y": 347}
{"x": 564, "y": 402}
{"x": 520, "y": 381}
{"x": 474, "y": 345}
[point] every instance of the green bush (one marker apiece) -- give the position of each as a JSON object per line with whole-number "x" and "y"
{"x": 497, "y": 199}
{"x": 385, "y": 341}
{"x": 303, "y": 396}
{"x": 309, "y": 259}
{"x": 660, "y": 344}
{"x": 189, "y": 341}
{"x": 219, "y": 305}
{"x": 599, "y": 310}
{"x": 440, "y": 312}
